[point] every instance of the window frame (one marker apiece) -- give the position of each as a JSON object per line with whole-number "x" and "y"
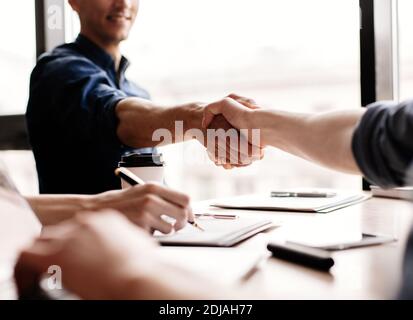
{"x": 14, "y": 134}
{"x": 379, "y": 53}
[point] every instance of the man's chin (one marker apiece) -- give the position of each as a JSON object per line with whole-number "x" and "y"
{"x": 122, "y": 37}
{"x": 117, "y": 37}
{"x": 116, "y": 33}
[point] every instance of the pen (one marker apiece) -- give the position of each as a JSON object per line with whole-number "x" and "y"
{"x": 217, "y": 216}
{"x": 315, "y": 194}
{"x": 310, "y": 257}
{"x": 134, "y": 180}
{"x": 129, "y": 177}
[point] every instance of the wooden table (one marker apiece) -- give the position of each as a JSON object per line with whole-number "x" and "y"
{"x": 367, "y": 273}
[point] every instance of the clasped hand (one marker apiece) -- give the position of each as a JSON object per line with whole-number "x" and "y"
{"x": 231, "y": 140}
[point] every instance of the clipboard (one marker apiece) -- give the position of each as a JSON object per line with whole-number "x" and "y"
{"x": 262, "y": 202}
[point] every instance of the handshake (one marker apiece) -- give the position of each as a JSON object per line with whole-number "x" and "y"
{"x": 231, "y": 139}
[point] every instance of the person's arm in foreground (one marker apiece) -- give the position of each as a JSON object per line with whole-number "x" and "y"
{"x": 103, "y": 256}
{"x": 375, "y": 141}
{"x": 143, "y": 205}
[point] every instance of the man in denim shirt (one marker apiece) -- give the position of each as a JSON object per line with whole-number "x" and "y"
{"x": 83, "y": 113}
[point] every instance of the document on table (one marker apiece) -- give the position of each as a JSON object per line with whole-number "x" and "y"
{"x": 298, "y": 204}
{"x": 218, "y": 232}
{"x": 225, "y": 265}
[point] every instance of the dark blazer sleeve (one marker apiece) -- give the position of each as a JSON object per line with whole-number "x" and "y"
{"x": 383, "y": 143}
{"x": 383, "y": 149}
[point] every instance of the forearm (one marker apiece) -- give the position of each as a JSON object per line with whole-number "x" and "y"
{"x": 323, "y": 138}
{"x": 53, "y": 209}
{"x": 168, "y": 282}
{"x": 139, "y": 119}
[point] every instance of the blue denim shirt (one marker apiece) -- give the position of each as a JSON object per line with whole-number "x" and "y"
{"x": 71, "y": 118}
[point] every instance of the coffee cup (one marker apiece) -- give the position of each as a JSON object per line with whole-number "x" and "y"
{"x": 149, "y": 167}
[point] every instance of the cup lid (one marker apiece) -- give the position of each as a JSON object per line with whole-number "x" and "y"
{"x": 142, "y": 160}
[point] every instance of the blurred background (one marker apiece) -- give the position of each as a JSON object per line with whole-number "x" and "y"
{"x": 296, "y": 55}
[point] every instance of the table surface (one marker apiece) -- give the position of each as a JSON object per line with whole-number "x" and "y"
{"x": 362, "y": 273}
{"x": 365, "y": 273}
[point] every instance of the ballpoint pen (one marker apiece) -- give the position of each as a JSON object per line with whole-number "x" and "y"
{"x": 314, "y": 194}
{"x": 217, "y": 216}
{"x": 134, "y": 180}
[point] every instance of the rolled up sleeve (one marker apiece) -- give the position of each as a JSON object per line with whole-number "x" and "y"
{"x": 80, "y": 99}
{"x": 99, "y": 101}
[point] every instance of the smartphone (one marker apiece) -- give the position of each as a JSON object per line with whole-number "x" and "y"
{"x": 366, "y": 240}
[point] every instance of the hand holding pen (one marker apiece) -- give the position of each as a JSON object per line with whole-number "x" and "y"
{"x": 134, "y": 180}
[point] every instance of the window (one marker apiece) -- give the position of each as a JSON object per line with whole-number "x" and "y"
{"x": 17, "y": 54}
{"x": 17, "y": 59}
{"x": 406, "y": 49}
{"x": 295, "y": 55}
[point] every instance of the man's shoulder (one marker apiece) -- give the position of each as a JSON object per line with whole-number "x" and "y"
{"x": 66, "y": 57}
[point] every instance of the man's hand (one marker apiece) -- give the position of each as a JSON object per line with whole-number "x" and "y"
{"x": 145, "y": 206}
{"x": 103, "y": 256}
{"x": 98, "y": 253}
{"x": 231, "y": 114}
{"x": 234, "y": 108}
{"x": 149, "y": 117}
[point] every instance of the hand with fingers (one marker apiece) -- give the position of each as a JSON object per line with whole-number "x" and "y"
{"x": 98, "y": 254}
{"x": 146, "y": 205}
{"x": 239, "y": 145}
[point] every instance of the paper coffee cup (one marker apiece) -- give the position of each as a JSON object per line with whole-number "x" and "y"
{"x": 149, "y": 167}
